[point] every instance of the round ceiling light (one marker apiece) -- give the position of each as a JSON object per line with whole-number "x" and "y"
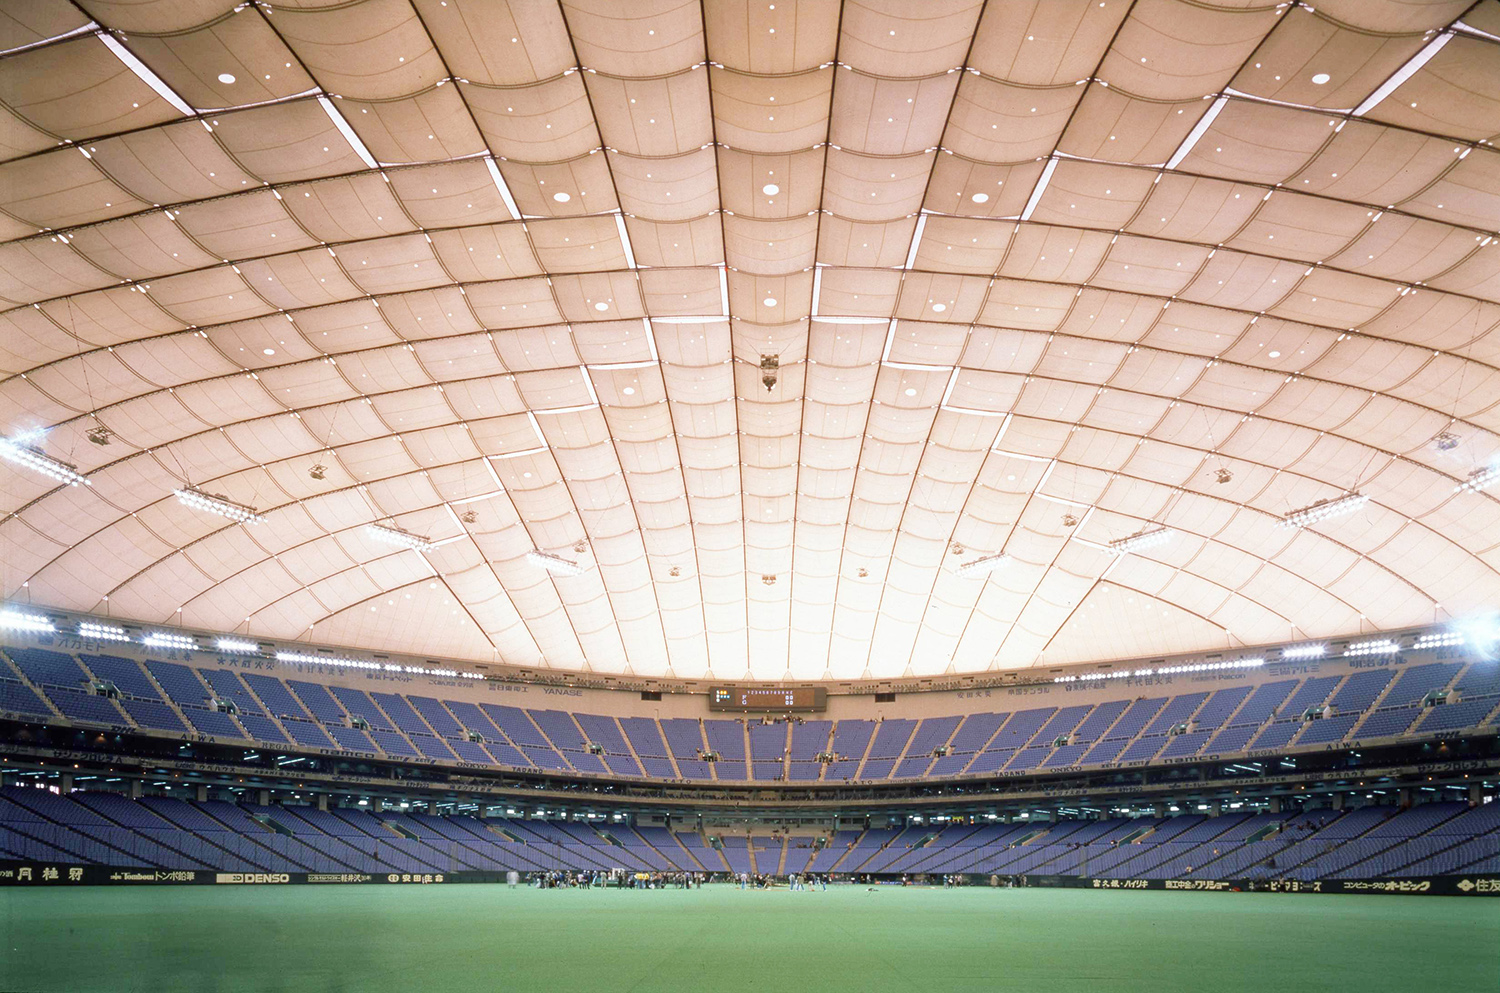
{"x": 601, "y": 305}
{"x": 561, "y": 197}
{"x": 980, "y": 198}
{"x": 1321, "y": 78}
{"x": 770, "y": 189}
{"x": 769, "y": 301}
{"x": 269, "y": 351}
{"x": 630, "y": 391}
{"x": 911, "y": 392}
{"x": 940, "y": 307}
{"x": 226, "y": 77}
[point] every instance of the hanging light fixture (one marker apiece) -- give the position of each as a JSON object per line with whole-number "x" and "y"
{"x": 1324, "y": 509}
{"x": 1140, "y": 541}
{"x": 1480, "y": 479}
{"x": 400, "y": 538}
{"x": 22, "y": 451}
{"x": 555, "y": 564}
{"x": 980, "y": 567}
{"x": 218, "y": 504}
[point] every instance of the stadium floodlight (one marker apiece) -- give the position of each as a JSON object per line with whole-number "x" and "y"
{"x": 977, "y": 568}
{"x": 166, "y": 639}
{"x": 1440, "y": 639}
{"x": 102, "y": 632}
{"x": 555, "y": 564}
{"x": 1167, "y": 670}
{"x": 237, "y": 646}
{"x": 1311, "y": 650}
{"x": 22, "y": 452}
{"x": 1378, "y": 646}
{"x": 1140, "y": 541}
{"x": 1480, "y": 479}
{"x": 214, "y": 504}
{"x": 1172, "y": 670}
{"x": 18, "y": 621}
{"x": 326, "y": 660}
{"x": 400, "y": 538}
{"x": 1482, "y": 633}
{"x": 423, "y": 671}
{"x": 1324, "y": 509}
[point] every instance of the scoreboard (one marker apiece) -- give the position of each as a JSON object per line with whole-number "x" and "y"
{"x": 763, "y": 700}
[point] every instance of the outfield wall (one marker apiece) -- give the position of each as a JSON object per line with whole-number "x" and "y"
{"x": 29, "y": 874}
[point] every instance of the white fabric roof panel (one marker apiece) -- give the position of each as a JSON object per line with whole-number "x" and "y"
{"x": 776, "y": 316}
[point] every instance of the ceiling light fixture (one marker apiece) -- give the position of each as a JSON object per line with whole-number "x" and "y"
{"x": 17, "y": 621}
{"x": 1324, "y": 509}
{"x": 770, "y": 366}
{"x": 770, "y": 189}
{"x": 555, "y": 564}
{"x": 218, "y": 504}
{"x": 101, "y": 632}
{"x": 237, "y": 646}
{"x": 344, "y": 129}
{"x": 561, "y": 197}
{"x": 1140, "y": 541}
{"x": 1321, "y": 78}
{"x": 1401, "y": 75}
{"x": 1199, "y": 129}
{"x": 1480, "y": 479}
{"x": 23, "y": 452}
{"x": 1311, "y": 650}
{"x": 143, "y": 73}
{"x": 100, "y": 435}
{"x": 400, "y": 538}
{"x": 226, "y": 78}
{"x": 976, "y": 568}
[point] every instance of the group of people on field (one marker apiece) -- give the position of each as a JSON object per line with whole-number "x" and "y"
{"x": 804, "y": 881}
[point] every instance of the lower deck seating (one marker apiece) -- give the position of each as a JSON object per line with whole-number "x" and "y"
{"x": 104, "y": 828}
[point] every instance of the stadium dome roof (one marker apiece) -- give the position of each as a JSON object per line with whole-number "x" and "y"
{"x": 759, "y": 320}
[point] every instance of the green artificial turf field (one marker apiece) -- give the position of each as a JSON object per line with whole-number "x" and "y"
{"x": 367, "y": 939}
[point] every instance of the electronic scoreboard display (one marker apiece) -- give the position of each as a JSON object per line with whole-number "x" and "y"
{"x": 767, "y": 700}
